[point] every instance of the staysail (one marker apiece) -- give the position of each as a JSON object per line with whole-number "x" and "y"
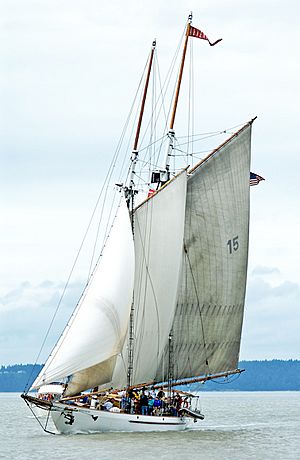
{"x": 158, "y": 241}
{"x": 206, "y": 329}
{"x": 87, "y": 350}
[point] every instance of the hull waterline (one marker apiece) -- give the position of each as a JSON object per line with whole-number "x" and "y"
{"x": 81, "y": 420}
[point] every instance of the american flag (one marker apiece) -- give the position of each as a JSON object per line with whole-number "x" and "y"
{"x": 255, "y": 178}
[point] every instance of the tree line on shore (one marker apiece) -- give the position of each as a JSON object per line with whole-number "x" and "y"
{"x": 267, "y": 375}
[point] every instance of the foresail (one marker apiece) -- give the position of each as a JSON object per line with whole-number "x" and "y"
{"x": 86, "y": 352}
{"x": 206, "y": 330}
{"x": 91, "y": 377}
{"x": 158, "y": 241}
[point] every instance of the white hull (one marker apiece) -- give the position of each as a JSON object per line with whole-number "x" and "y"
{"x": 81, "y": 420}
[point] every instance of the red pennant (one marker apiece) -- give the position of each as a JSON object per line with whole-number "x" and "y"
{"x": 198, "y": 34}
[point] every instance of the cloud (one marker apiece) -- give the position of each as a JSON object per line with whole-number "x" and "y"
{"x": 25, "y": 316}
{"x": 28, "y": 297}
{"x": 271, "y": 324}
{"x": 260, "y": 270}
{"x": 66, "y": 88}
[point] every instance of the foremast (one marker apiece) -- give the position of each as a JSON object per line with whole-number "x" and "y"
{"x": 130, "y": 193}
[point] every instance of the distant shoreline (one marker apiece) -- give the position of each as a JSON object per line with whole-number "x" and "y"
{"x": 265, "y": 376}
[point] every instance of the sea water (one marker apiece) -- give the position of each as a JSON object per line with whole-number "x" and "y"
{"x": 239, "y": 425}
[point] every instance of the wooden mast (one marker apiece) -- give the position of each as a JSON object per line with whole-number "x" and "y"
{"x": 181, "y": 72}
{"x": 130, "y": 193}
{"x": 171, "y": 133}
{"x": 138, "y": 129}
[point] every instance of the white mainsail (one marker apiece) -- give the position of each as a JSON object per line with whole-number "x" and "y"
{"x": 206, "y": 329}
{"x": 87, "y": 350}
{"x": 158, "y": 241}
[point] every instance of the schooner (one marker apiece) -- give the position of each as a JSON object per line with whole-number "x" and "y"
{"x": 164, "y": 305}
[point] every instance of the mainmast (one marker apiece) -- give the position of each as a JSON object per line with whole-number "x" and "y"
{"x": 130, "y": 193}
{"x": 163, "y": 175}
{"x": 187, "y": 34}
{"x": 171, "y": 133}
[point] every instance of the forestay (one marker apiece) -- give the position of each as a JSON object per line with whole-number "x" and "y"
{"x": 207, "y": 325}
{"x": 87, "y": 350}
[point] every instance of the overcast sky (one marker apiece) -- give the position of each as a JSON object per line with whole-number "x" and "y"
{"x": 68, "y": 74}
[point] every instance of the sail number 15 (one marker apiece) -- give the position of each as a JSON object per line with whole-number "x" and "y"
{"x": 233, "y": 244}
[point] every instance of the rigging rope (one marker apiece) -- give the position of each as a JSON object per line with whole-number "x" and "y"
{"x": 38, "y": 420}
{"x": 105, "y": 187}
{"x": 228, "y": 379}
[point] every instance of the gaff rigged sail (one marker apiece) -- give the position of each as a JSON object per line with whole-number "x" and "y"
{"x": 159, "y": 227}
{"x": 206, "y": 329}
